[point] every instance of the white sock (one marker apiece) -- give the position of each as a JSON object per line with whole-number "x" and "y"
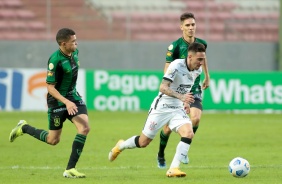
{"x": 181, "y": 151}
{"x": 128, "y": 144}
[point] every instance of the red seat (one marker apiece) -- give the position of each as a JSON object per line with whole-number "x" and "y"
{"x": 12, "y": 3}
{"x": 7, "y": 14}
{"x": 118, "y": 16}
{"x": 4, "y": 25}
{"x": 18, "y": 25}
{"x": 25, "y": 14}
{"x": 35, "y": 25}
{"x": 139, "y": 17}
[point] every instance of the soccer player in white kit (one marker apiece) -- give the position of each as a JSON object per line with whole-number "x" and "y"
{"x": 171, "y": 107}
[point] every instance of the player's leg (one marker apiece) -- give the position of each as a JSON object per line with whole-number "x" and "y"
{"x": 51, "y": 137}
{"x": 133, "y": 142}
{"x": 153, "y": 124}
{"x": 81, "y": 123}
{"x": 196, "y": 109}
{"x": 164, "y": 136}
{"x": 186, "y": 133}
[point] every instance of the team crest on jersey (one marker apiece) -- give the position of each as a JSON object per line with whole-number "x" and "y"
{"x": 51, "y": 66}
{"x": 170, "y": 47}
{"x": 50, "y": 73}
{"x": 168, "y": 53}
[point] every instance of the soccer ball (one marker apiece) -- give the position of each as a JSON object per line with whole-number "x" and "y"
{"x": 239, "y": 167}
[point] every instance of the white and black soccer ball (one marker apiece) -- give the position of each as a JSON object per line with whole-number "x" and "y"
{"x": 239, "y": 167}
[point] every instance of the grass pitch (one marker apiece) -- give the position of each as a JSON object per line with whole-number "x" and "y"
{"x": 220, "y": 138}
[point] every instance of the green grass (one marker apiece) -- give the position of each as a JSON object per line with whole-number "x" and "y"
{"x": 221, "y": 137}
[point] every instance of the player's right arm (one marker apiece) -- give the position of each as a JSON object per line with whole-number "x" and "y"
{"x": 51, "y": 81}
{"x": 170, "y": 55}
{"x": 165, "y": 89}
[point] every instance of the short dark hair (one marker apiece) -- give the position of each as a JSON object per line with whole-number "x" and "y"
{"x": 196, "y": 47}
{"x": 64, "y": 34}
{"x": 185, "y": 16}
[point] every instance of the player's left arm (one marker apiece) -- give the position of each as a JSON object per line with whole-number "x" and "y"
{"x": 206, "y": 81}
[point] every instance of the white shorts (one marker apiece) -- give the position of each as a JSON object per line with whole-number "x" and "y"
{"x": 157, "y": 119}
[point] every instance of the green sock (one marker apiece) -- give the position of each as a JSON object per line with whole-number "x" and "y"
{"x": 163, "y": 142}
{"x": 195, "y": 128}
{"x": 37, "y": 133}
{"x": 77, "y": 148}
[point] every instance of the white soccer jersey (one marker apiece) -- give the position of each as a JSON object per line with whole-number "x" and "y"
{"x": 182, "y": 81}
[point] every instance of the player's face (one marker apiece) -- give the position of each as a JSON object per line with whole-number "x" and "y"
{"x": 71, "y": 44}
{"x": 188, "y": 27}
{"x": 196, "y": 60}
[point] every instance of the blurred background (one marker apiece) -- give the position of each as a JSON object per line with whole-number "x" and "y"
{"x": 132, "y": 36}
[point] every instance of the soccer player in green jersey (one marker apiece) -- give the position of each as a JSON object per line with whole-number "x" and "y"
{"x": 178, "y": 50}
{"x": 64, "y": 102}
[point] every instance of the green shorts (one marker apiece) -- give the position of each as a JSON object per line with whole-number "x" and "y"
{"x": 58, "y": 115}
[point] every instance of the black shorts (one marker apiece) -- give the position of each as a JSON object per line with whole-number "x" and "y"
{"x": 58, "y": 115}
{"x": 198, "y": 102}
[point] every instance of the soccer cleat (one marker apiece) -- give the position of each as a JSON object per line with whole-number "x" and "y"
{"x": 17, "y": 131}
{"x": 161, "y": 162}
{"x": 175, "y": 172}
{"x": 185, "y": 160}
{"x": 115, "y": 151}
{"x": 73, "y": 173}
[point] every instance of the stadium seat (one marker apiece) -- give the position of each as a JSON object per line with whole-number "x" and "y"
{"x": 35, "y": 25}
{"x": 13, "y": 4}
{"x": 25, "y": 14}
{"x": 18, "y": 25}
{"x": 7, "y": 14}
{"x": 4, "y": 25}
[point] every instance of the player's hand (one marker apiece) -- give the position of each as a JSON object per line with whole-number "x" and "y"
{"x": 206, "y": 83}
{"x": 71, "y": 108}
{"x": 189, "y": 98}
{"x": 187, "y": 107}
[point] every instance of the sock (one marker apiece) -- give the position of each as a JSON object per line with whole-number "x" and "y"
{"x": 163, "y": 143}
{"x": 129, "y": 143}
{"x": 181, "y": 151}
{"x": 195, "y": 128}
{"x": 77, "y": 148}
{"x": 37, "y": 133}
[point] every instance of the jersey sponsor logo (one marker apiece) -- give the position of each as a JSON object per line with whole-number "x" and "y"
{"x": 169, "y": 54}
{"x": 171, "y": 106}
{"x": 182, "y": 57}
{"x": 182, "y": 89}
{"x": 51, "y": 66}
{"x": 59, "y": 109}
{"x": 170, "y": 47}
{"x": 50, "y": 73}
